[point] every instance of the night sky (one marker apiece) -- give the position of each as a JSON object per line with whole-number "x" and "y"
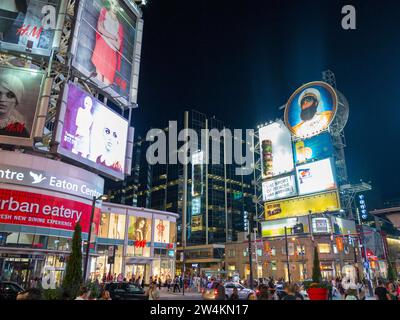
{"x": 241, "y": 60}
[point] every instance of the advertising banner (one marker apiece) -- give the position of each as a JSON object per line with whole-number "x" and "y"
{"x": 197, "y": 223}
{"x": 321, "y": 225}
{"x": 39, "y": 210}
{"x": 311, "y": 109}
{"x": 28, "y": 26}
{"x": 294, "y": 226}
{"x": 299, "y": 206}
{"x": 343, "y": 226}
{"x": 276, "y": 150}
{"x": 19, "y": 98}
{"x": 313, "y": 149}
{"x": 139, "y": 229}
{"x": 104, "y": 45}
{"x": 279, "y": 188}
{"x": 315, "y": 177}
{"x": 161, "y": 231}
{"x": 93, "y": 134}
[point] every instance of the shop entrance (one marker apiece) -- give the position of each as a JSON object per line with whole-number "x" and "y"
{"x": 137, "y": 270}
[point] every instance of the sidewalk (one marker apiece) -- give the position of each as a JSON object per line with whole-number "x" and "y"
{"x": 165, "y": 295}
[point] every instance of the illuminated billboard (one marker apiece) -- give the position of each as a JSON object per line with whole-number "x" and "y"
{"x": 311, "y": 109}
{"x": 279, "y": 188}
{"x": 276, "y": 228}
{"x": 92, "y": 133}
{"x": 343, "y": 226}
{"x": 20, "y": 94}
{"x": 197, "y": 223}
{"x": 105, "y": 46}
{"x": 28, "y": 26}
{"x": 139, "y": 229}
{"x": 315, "y": 177}
{"x": 276, "y": 150}
{"x": 313, "y": 149}
{"x": 321, "y": 225}
{"x": 299, "y": 206}
{"x": 161, "y": 231}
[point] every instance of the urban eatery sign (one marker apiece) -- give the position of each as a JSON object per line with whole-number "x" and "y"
{"x": 39, "y": 210}
{"x": 45, "y": 180}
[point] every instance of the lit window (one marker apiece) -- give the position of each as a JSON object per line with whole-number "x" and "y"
{"x": 324, "y": 248}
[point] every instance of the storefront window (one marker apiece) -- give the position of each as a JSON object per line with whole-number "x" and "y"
{"x": 117, "y": 226}
{"x": 104, "y": 225}
{"x": 138, "y": 251}
{"x": 139, "y": 229}
{"x": 163, "y": 268}
{"x": 161, "y": 231}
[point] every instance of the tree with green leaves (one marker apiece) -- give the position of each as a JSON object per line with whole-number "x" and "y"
{"x": 391, "y": 272}
{"x": 73, "y": 275}
{"x": 316, "y": 273}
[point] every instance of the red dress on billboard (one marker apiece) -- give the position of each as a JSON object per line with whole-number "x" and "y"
{"x": 105, "y": 57}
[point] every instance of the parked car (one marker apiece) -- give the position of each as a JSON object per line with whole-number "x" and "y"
{"x": 125, "y": 291}
{"x": 243, "y": 292}
{"x": 9, "y": 290}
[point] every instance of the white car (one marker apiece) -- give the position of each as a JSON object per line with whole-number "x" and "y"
{"x": 243, "y": 292}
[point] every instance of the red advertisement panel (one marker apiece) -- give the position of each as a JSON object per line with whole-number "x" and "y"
{"x": 39, "y": 210}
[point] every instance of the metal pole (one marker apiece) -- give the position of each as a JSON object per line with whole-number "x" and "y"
{"x": 366, "y": 262}
{"x": 184, "y": 209}
{"x": 250, "y": 251}
{"x": 287, "y": 254}
{"x": 88, "y": 240}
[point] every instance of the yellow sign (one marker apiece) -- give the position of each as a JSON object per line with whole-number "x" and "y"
{"x": 197, "y": 223}
{"x": 300, "y": 206}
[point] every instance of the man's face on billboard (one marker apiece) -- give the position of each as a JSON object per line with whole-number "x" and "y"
{"x": 110, "y": 138}
{"x": 309, "y": 105}
{"x": 8, "y": 101}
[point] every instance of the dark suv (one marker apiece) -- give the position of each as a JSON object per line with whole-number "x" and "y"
{"x": 9, "y": 290}
{"x": 125, "y": 291}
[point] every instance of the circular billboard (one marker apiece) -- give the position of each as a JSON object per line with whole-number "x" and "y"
{"x": 311, "y": 109}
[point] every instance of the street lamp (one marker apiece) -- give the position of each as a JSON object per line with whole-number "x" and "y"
{"x": 95, "y": 199}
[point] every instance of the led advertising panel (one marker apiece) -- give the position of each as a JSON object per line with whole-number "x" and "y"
{"x": 318, "y": 203}
{"x": 276, "y": 228}
{"x": 197, "y": 223}
{"x": 276, "y": 150}
{"x": 315, "y": 177}
{"x": 20, "y": 91}
{"x": 28, "y": 26}
{"x": 313, "y": 149}
{"x": 343, "y": 226}
{"x": 139, "y": 228}
{"x": 104, "y": 45}
{"x": 311, "y": 109}
{"x": 321, "y": 225}
{"x": 279, "y": 188}
{"x": 93, "y": 134}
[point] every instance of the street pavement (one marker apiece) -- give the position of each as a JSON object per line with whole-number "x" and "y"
{"x": 165, "y": 295}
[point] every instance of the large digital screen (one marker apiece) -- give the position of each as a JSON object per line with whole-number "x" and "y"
{"x": 104, "y": 45}
{"x": 276, "y": 150}
{"x": 311, "y": 109}
{"x": 313, "y": 149}
{"x": 318, "y": 203}
{"x": 279, "y": 188}
{"x": 161, "y": 231}
{"x": 276, "y": 228}
{"x": 315, "y": 177}
{"x": 20, "y": 91}
{"x": 28, "y": 25}
{"x": 93, "y": 134}
{"x": 45, "y": 211}
{"x": 343, "y": 226}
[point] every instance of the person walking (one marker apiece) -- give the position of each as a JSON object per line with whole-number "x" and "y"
{"x": 290, "y": 292}
{"x": 105, "y": 295}
{"x": 234, "y": 295}
{"x": 381, "y": 292}
{"x": 84, "y": 293}
{"x": 153, "y": 293}
{"x": 220, "y": 291}
{"x": 159, "y": 283}
{"x": 176, "y": 284}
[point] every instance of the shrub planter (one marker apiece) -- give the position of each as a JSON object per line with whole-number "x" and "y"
{"x": 318, "y": 293}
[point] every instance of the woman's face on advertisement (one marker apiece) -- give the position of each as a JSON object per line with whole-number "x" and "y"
{"x": 141, "y": 224}
{"x": 110, "y": 138}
